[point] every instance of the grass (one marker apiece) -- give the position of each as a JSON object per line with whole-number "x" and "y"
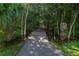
{"x": 67, "y": 48}
{"x": 10, "y": 48}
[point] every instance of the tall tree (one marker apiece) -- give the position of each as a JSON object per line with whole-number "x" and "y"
{"x": 72, "y": 24}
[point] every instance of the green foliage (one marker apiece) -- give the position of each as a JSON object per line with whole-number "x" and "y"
{"x": 50, "y": 14}
{"x": 67, "y": 48}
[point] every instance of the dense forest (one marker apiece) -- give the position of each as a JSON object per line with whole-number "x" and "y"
{"x": 17, "y": 21}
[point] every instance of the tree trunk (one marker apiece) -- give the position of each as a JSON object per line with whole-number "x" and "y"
{"x": 25, "y": 23}
{"x": 22, "y": 25}
{"x": 58, "y": 30}
{"x": 71, "y": 26}
{"x": 73, "y": 32}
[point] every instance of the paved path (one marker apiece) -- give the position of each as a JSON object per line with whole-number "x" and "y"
{"x": 38, "y": 45}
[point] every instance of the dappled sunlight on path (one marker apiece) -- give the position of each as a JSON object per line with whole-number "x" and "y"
{"x": 38, "y": 45}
